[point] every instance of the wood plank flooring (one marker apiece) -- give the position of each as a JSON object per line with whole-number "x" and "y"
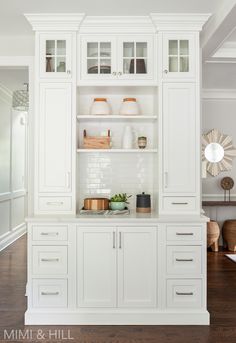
{"x": 221, "y": 304}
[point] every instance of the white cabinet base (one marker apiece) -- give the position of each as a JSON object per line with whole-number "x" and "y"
{"x": 95, "y": 317}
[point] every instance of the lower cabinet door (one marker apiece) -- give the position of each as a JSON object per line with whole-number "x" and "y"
{"x": 96, "y": 262}
{"x": 136, "y": 267}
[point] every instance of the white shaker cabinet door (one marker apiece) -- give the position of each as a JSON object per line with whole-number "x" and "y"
{"x": 55, "y": 141}
{"x": 179, "y": 139}
{"x": 137, "y": 267}
{"x": 96, "y": 261}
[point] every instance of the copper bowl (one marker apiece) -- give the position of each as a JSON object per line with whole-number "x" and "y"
{"x": 96, "y": 204}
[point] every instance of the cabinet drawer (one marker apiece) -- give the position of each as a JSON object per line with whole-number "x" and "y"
{"x": 179, "y": 204}
{"x": 183, "y": 233}
{"x": 49, "y": 232}
{"x": 59, "y": 204}
{"x": 184, "y": 260}
{"x": 49, "y": 293}
{"x": 184, "y": 293}
{"x": 49, "y": 260}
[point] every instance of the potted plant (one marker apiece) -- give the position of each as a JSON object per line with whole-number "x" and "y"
{"x": 119, "y": 201}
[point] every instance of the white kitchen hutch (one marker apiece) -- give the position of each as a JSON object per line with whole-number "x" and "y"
{"x": 133, "y": 269}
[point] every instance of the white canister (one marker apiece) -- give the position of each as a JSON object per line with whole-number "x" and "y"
{"x": 129, "y": 107}
{"x": 100, "y": 106}
{"x": 128, "y": 138}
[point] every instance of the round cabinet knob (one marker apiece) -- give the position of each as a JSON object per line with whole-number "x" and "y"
{"x": 166, "y": 71}
{"x": 119, "y": 73}
{"x": 68, "y": 72}
{"x": 114, "y": 73}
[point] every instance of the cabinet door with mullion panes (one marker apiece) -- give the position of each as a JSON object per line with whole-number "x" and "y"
{"x": 179, "y": 55}
{"x": 98, "y": 58}
{"x": 56, "y": 55}
{"x": 135, "y": 58}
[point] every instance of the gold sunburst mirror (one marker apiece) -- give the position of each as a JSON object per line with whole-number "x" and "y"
{"x": 218, "y": 152}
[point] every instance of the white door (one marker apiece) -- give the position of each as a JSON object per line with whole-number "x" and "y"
{"x": 137, "y": 267}
{"x": 96, "y": 261}
{"x": 135, "y": 58}
{"x": 98, "y": 58}
{"x": 55, "y": 55}
{"x": 179, "y": 139}
{"x": 179, "y": 55}
{"x": 55, "y": 141}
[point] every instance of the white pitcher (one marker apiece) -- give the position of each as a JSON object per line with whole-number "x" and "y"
{"x": 127, "y": 141}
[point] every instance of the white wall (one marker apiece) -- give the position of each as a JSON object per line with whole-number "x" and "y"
{"x": 12, "y": 158}
{"x": 17, "y": 45}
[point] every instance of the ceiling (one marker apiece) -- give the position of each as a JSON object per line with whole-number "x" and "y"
{"x": 12, "y": 21}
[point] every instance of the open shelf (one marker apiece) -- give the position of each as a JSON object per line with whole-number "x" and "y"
{"x": 142, "y": 151}
{"x": 116, "y": 116}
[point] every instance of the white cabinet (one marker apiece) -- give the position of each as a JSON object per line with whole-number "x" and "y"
{"x": 55, "y": 147}
{"x": 179, "y": 55}
{"x": 55, "y": 55}
{"x": 179, "y": 144}
{"x": 137, "y": 267}
{"x": 117, "y": 58}
{"x": 117, "y": 267}
{"x": 96, "y": 267}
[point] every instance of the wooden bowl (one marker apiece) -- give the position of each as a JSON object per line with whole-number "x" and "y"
{"x": 229, "y": 234}
{"x": 213, "y": 234}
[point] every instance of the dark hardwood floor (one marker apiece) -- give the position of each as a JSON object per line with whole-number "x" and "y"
{"x": 221, "y": 304}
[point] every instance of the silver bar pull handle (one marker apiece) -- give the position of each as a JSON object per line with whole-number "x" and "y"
{"x": 119, "y": 240}
{"x": 49, "y": 293}
{"x": 50, "y": 259}
{"x": 49, "y": 233}
{"x": 184, "y": 293}
{"x": 59, "y": 203}
{"x": 184, "y": 259}
{"x": 184, "y": 233}
{"x": 114, "y": 240}
{"x": 179, "y": 203}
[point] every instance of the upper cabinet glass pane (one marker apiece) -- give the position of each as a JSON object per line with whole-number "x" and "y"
{"x": 50, "y": 47}
{"x": 141, "y": 49}
{"x": 105, "y": 49}
{"x": 92, "y": 49}
{"x": 128, "y": 49}
{"x": 184, "y": 47}
{"x": 173, "y": 47}
{"x": 61, "y": 47}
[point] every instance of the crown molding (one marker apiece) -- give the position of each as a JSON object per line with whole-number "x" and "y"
{"x": 219, "y": 94}
{"x": 179, "y": 21}
{"x": 55, "y": 21}
{"x": 227, "y": 50}
{"x": 117, "y": 24}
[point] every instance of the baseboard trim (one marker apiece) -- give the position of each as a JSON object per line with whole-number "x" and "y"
{"x": 33, "y": 317}
{"x": 12, "y": 236}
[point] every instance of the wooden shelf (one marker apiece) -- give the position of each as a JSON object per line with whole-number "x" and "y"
{"x": 116, "y": 116}
{"x": 141, "y": 151}
{"x": 219, "y": 203}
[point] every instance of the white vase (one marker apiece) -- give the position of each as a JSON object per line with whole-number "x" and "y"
{"x": 129, "y": 107}
{"x": 127, "y": 141}
{"x": 100, "y": 106}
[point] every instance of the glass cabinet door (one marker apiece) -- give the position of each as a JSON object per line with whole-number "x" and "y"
{"x": 178, "y": 55}
{"x": 56, "y": 56}
{"x": 135, "y": 60}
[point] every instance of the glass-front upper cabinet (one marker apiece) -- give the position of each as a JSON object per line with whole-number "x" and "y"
{"x": 178, "y": 55}
{"x": 98, "y": 58}
{"x": 55, "y": 55}
{"x": 135, "y": 59}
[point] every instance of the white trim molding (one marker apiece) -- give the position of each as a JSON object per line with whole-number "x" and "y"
{"x": 219, "y": 94}
{"x": 11, "y": 236}
{"x": 227, "y": 50}
{"x": 179, "y": 21}
{"x": 55, "y": 21}
{"x": 117, "y": 24}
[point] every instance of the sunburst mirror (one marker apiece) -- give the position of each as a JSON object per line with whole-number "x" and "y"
{"x": 218, "y": 152}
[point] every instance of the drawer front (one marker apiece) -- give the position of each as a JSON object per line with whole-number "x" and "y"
{"x": 49, "y": 293}
{"x": 184, "y": 260}
{"x": 179, "y": 204}
{"x": 183, "y": 233}
{"x": 184, "y": 293}
{"x": 49, "y": 232}
{"x": 55, "y": 204}
{"x": 49, "y": 260}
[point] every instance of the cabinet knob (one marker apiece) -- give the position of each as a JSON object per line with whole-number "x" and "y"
{"x": 119, "y": 73}
{"x": 114, "y": 73}
{"x": 68, "y": 72}
{"x": 166, "y": 71}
